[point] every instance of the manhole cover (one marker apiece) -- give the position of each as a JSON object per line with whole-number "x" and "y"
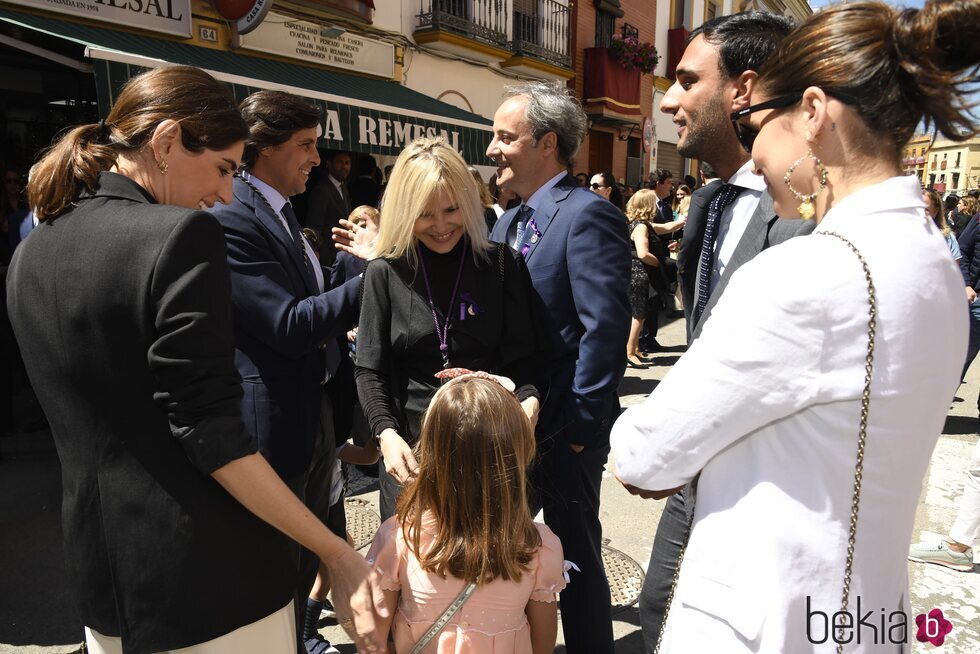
{"x": 625, "y": 578}
{"x": 362, "y": 521}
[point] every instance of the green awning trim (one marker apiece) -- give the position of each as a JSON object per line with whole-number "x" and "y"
{"x": 360, "y": 114}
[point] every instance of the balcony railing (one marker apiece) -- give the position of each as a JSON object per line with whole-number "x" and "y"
{"x": 533, "y": 28}
{"x": 482, "y": 20}
{"x": 541, "y": 31}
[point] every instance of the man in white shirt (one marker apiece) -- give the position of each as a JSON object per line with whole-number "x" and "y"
{"x": 329, "y": 202}
{"x": 714, "y": 78}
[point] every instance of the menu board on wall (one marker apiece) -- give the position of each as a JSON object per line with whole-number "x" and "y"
{"x": 312, "y": 43}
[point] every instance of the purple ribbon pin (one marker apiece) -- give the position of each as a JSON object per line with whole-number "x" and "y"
{"x": 535, "y": 235}
{"x": 468, "y": 306}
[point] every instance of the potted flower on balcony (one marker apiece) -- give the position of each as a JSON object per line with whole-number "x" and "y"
{"x": 634, "y": 54}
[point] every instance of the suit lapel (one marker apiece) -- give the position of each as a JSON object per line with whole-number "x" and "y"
{"x": 754, "y": 238}
{"x": 258, "y": 205}
{"x": 547, "y": 211}
{"x": 752, "y": 243}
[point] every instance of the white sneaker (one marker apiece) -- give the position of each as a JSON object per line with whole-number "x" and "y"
{"x": 940, "y": 554}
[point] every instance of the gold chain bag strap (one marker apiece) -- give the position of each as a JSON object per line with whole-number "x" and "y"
{"x": 858, "y": 468}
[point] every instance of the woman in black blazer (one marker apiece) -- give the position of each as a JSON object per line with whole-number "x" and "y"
{"x": 120, "y": 300}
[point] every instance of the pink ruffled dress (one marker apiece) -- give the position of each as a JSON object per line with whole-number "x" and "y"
{"x": 491, "y": 622}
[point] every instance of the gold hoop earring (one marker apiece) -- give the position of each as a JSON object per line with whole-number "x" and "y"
{"x": 806, "y": 208}
{"x": 163, "y": 166}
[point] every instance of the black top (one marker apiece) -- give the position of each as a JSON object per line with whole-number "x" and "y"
{"x": 491, "y": 329}
{"x": 122, "y": 309}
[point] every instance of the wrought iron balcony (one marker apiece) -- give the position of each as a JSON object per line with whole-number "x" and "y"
{"x": 541, "y": 31}
{"x": 480, "y": 20}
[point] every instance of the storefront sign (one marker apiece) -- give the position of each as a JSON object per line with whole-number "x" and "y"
{"x": 310, "y": 43}
{"x": 167, "y": 16}
{"x": 362, "y": 129}
{"x": 254, "y": 17}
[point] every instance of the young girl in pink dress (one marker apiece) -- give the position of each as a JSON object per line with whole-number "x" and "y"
{"x": 465, "y": 518}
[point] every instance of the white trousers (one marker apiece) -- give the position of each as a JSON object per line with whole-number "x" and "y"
{"x": 966, "y": 528}
{"x": 273, "y": 634}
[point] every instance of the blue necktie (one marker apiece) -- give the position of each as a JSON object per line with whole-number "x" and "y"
{"x": 724, "y": 197}
{"x": 521, "y": 220}
{"x": 331, "y": 352}
{"x": 297, "y": 236}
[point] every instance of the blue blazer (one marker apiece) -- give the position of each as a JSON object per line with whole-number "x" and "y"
{"x": 579, "y": 262}
{"x": 282, "y": 323}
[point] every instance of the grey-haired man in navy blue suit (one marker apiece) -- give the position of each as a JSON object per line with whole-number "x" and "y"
{"x": 577, "y": 251}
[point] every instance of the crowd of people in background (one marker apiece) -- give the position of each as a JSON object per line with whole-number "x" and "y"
{"x": 207, "y": 358}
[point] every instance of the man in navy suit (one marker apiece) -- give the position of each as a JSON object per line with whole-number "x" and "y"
{"x": 577, "y": 251}
{"x": 287, "y": 321}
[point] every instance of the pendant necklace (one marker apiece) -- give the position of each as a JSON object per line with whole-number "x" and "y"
{"x": 442, "y": 327}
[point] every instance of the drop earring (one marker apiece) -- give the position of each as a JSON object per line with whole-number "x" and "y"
{"x": 806, "y": 209}
{"x": 164, "y": 166}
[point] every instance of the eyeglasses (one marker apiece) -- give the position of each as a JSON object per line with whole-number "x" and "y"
{"x": 746, "y": 133}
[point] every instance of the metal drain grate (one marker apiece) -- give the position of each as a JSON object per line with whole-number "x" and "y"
{"x": 362, "y": 521}
{"x": 625, "y": 578}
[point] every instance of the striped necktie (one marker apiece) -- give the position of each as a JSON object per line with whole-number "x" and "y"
{"x": 722, "y": 198}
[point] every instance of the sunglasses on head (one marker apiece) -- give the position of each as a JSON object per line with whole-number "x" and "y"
{"x": 746, "y": 133}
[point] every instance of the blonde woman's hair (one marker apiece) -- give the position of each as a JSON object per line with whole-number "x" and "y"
{"x": 474, "y": 451}
{"x": 642, "y": 206}
{"x": 684, "y": 206}
{"x": 423, "y": 169}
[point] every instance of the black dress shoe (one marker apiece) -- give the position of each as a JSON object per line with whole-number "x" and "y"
{"x": 638, "y": 366}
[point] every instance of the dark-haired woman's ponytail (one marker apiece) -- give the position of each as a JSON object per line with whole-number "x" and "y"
{"x": 937, "y": 47}
{"x": 71, "y": 164}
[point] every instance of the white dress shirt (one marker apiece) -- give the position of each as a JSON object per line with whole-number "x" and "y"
{"x": 735, "y": 218}
{"x": 765, "y": 405}
{"x": 277, "y": 202}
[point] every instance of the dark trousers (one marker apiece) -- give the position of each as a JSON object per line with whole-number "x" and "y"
{"x": 314, "y": 489}
{"x": 567, "y": 486}
{"x": 672, "y": 535}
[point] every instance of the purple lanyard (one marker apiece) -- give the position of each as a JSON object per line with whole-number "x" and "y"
{"x": 442, "y": 330}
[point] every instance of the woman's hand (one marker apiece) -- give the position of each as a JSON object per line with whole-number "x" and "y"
{"x": 971, "y": 295}
{"x": 358, "y": 600}
{"x": 399, "y": 460}
{"x": 532, "y": 407}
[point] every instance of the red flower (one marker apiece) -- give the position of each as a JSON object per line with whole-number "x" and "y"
{"x": 634, "y": 54}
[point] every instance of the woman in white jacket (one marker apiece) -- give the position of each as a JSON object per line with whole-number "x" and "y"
{"x": 767, "y": 403}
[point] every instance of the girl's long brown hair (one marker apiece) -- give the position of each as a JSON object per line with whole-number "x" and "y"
{"x": 206, "y": 110}
{"x": 474, "y": 450}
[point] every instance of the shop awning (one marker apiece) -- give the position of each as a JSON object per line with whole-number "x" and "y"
{"x": 360, "y": 114}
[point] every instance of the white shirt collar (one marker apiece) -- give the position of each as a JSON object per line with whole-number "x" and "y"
{"x": 745, "y": 178}
{"x": 904, "y": 192}
{"x": 336, "y": 182}
{"x": 538, "y": 196}
{"x": 272, "y": 196}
